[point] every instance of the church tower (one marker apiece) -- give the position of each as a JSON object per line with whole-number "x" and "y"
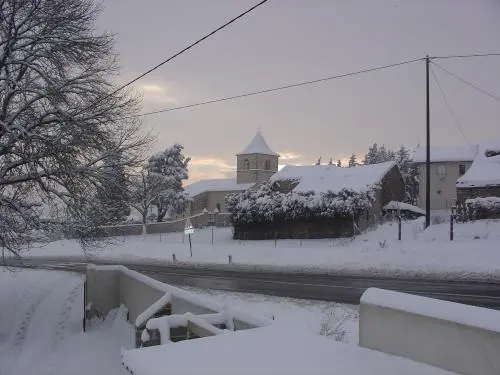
{"x": 257, "y": 162}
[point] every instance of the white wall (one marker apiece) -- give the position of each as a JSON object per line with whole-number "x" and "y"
{"x": 455, "y": 337}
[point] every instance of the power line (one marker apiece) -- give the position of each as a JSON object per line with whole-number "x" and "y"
{"x": 468, "y": 83}
{"x": 279, "y": 88}
{"x": 453, "y": 115}
{"x": 183, "y": 50}
{"x": 466, "y": 56}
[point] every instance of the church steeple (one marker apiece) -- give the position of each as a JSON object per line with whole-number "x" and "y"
{"x": 258, "y": 145}
{"x": 257, "y": 162}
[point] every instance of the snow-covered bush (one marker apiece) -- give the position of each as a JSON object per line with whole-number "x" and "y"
{"x": 264, "y": 204}
{"x": 482, "y": 208}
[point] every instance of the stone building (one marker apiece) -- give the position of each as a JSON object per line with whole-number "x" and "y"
{"x": 255, "y": 164}
{"x": 448, "y": 164}
{"x": 384, "y": 178}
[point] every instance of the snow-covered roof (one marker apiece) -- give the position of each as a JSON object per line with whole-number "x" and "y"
{"x": 268, "y": 351}
{"x": 445, "y": 153}
{"x": 216, "y": 184}
{"x": 401, "y": 206}
{"x": 324, "y": 178}
{"x": 485, "y": 170}
{"x": 258, "y": 145}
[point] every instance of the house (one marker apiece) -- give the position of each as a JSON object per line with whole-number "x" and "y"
{"x": 255, "y": 164}
{"x": 448, "y": 164}
{"x": 482, "y": 179}
{"x": 316, "y": 201}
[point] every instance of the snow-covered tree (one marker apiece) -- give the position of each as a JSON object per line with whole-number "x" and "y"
{"x": 330, "y": 162}
{"x": 146, "y": 188}
{"x": 409, "y": 173}
{"x": 352, "y": 161}
{"x": 372, "y": 156}
{"x": 319, "y": 161}
{"x": 60, "y": 119}
{"x": 173, "y": 165}
{"x": 339, "y": 163}
{"x": 114, "y": 197}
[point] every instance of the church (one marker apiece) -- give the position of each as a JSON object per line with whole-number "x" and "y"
{"x": 255, "y": 164}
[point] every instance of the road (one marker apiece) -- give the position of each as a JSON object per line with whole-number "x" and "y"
{"x": 329, "y": 287}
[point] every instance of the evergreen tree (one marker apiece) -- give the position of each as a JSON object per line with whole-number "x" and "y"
{"x": 372, "y": 156}
{"x": 330, "y": 162}
{"x": 339, "y": 163}
{"x": 173, "y": 165}
{"x": 319, "y": 161}
{"x": 352, "y": 160}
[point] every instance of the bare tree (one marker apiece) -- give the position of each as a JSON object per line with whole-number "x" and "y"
{"x": 59, "y": 119}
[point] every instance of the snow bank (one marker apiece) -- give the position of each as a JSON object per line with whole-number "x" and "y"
{"x": 268, "y": 351}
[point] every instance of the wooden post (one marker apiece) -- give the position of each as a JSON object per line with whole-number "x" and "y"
{"x": 190, "y": 246}
{"x": 451, "y": 225}
{"x": 275, "y": 239}
{"x": 230, "y": 258}
{"x": 212, "y": 235}
{"x": 399, "y": 228}
{"x": 84, "y": 305}
{"x": 173, "y": 258}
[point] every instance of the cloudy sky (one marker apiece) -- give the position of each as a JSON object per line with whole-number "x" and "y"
{"x": 288, "y": 41}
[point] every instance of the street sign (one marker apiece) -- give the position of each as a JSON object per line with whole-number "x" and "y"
{"x": 188, "y": 228}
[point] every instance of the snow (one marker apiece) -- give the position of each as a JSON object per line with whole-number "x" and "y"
{"x": 41, "y": 316}
{"x": 153, "y": 309}
{"x": 472, "y": 254}
{"x": 216, "y": 184}
{"x": 258, "y": 145}
{"x": 446, "y": 153}
{"x": 479, "y": 317}
{"x": 268, "y": 350}
{"x": 325, "y": 178}
{"x": 488, "y": 203}
{"x": 393, "y": 205}
{"x": 485, "y": 170}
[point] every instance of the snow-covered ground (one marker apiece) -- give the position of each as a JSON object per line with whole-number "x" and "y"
{"x": 41, "y": 316}
{"x": 473, "y": 253}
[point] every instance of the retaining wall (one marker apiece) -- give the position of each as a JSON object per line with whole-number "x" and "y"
{"x": 455, "y": 337}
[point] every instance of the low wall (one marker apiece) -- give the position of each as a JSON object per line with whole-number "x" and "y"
{"x": 455, "y": 337}
{"x": 198, "y": 221}
{"x": 110, "y": 286}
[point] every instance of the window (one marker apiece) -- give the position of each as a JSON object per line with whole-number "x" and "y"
{"x": 246, "y": 164}
{"x": 268, "y": 165}
{"x": 461, "y": 169}
{"x": 441, "y": 169}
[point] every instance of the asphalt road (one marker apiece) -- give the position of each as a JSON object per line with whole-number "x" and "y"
{"x": 329, "y": 287}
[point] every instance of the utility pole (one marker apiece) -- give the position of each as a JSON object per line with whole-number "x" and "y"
{"x": 428, "y": 149}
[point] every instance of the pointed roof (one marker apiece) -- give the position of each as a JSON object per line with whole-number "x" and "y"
{"x": 258, "y": 145}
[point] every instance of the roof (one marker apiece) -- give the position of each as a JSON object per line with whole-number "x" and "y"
{"x": 401, "y": 206}
{"x": 445, "y": 153}
{"x": 216, "y": 184}
{"x": 268, "y": 351}
{"x": 258, "y": 145}
{"x": 485, "y": 170}
{"x": 324, "y": 178}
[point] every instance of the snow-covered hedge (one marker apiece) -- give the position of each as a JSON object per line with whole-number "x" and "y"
{"x": 486, "y": 203}
{"x": 479, "y": 208}
{"x": 264, "y": 204}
